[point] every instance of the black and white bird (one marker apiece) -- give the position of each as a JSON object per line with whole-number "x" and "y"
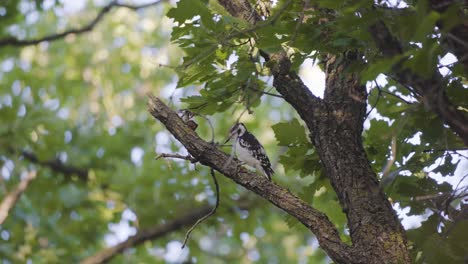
{"x": 249, "y": 150}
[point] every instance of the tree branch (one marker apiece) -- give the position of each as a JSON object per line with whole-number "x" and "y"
{"x": 13, "y": 41}
{"x": 455, "y": 41}
{"x": 286, "y": 82}
{"x": 293, "y": 89}
{"x": 158, "y": 231}
{"x": 57, "y": 166}
{"x": 148, "y": 234}
{"x": 176, "y": 156}
{"x": 241, "y": 9}
{"x": 432, "y": 90}
{"x": 11, "y": 198}
{"x": 209, "y": 155}
{"x": 335, "y": 123}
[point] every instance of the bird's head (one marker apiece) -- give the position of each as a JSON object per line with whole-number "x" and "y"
{"x": 236, "y": 131}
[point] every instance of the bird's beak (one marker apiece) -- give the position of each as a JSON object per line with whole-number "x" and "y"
{"x": 229, "y": 138}
{"x": 231, "y": 134}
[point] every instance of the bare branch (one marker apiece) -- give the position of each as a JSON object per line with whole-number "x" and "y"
{"x": 13, "y": 41}
{"x": 11, "y": 198}
{"x": 376, "y": 101}
{"x": 57, "y": 166}
{"x": 160, "y": 230}
{"x": 176, "y": 156}
{"x": 209, "y": 155}
{"x": 148, "y": 234}
{"x": 263, "y": 92}
{"x": 292, "y": 88}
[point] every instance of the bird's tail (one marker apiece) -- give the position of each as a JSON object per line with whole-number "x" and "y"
{"x": 268, "y": 172}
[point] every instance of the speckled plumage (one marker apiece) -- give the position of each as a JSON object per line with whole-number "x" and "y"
{"x": 250, "y": 151}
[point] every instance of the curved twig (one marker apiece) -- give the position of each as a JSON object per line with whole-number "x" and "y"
{"x": 13, "y": 41}
{"x": 212, "y": 212}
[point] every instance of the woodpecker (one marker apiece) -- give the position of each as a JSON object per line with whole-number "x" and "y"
{"x": 249, "y": 150}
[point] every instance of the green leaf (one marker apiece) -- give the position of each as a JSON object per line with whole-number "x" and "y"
{"x": 424, "y": 60}
{"x": 290, "y": 133}
{"x": 187, "y": 9}
{"x": 426, "y": 26}
{"x": 382, "y": 66}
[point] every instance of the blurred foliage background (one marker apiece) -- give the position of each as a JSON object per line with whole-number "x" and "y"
{"x": 73, "y": 113}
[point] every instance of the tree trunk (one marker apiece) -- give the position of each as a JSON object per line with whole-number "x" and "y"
{"x": 374, "y": 227}
{"x": 336, "y": 124}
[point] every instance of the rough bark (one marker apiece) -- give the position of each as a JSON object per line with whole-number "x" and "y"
{"x": 374, "y": 226}
{"x": 242, "y": 8}
{"x": 336, "y": 124}
{"x": 209, "y": 155}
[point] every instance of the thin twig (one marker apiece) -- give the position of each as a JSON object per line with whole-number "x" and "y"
{"x": 299, "y": 21}
{"x": 231, "y": 157}
{"x": 457, "y": 39}
{"x": 376, "y": 101}
{"x": 397, "y": 96}
{"x": 203, "y": 55}
{"x": 176, "y": 156}
{"x": 13, "y": 41}
{"x": 461, "y": 180}
{"x": 429, "y": 196}
{"x": 251, "y": 102}
{"x": 212, "y": 212}
{"x": 267, "y": 93}
{"x": 443, "y": 150}
{"x": 390, "y": 162}
{"x": 155, "y": 232}
{"x": 210, "y": 124}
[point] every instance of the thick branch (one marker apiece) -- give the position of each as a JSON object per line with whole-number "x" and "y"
{"x": 57, "y": 166}
{"x": 211, "y": 156}
{"x": 148, "y": 234}
{"x": 287, "y": 82}
{"x": 456, "y": 40}
{"x": 12, "y": 41}
{"x": 432, "y": 90}
{"x": 293, "y": 90}
{"x": 241, "y": 9}
{"x": 11, "y": 198}
{"x": 335, "y": 124}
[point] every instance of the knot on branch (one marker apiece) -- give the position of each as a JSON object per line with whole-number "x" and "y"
{"x": 279, "y": 63}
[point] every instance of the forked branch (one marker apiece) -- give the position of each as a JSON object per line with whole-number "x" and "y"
{"x": 209, "y": 155}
